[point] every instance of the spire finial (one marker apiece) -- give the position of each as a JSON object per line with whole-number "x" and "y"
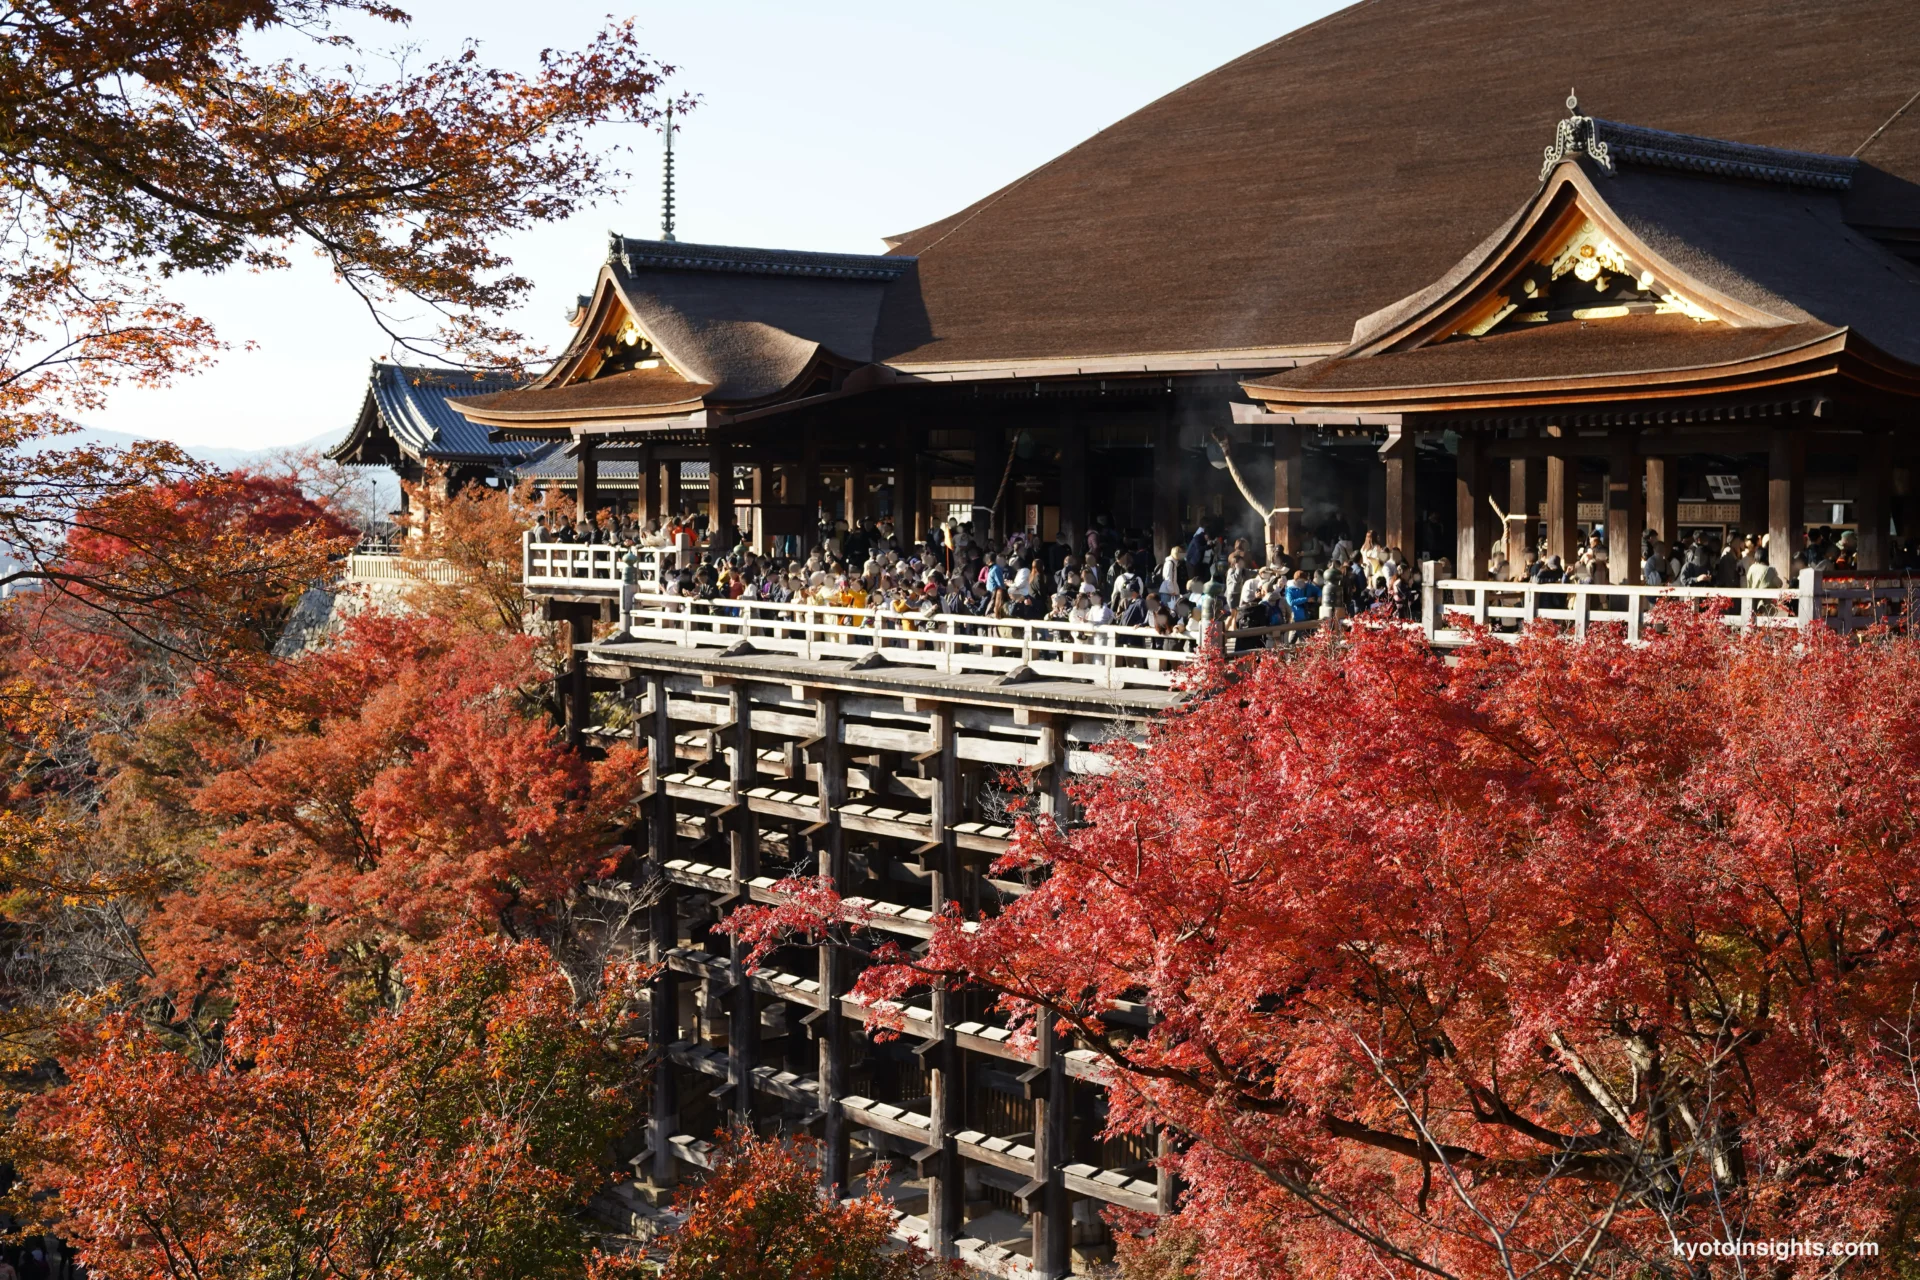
{"x": 1576, "y": 135}
{"x": 666, "y": 213}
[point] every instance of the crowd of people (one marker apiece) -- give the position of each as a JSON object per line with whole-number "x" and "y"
{"x": 1112, "y": 577}
{"x": 1700, "y": 561}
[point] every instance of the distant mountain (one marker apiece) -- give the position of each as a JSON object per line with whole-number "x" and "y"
{"x": 213, "y": 455}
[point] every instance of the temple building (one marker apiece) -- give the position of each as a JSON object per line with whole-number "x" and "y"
{"x": 1064, "y": 349}
{"x": 1345, "y": 256}
{"x": 1668, "y": 308}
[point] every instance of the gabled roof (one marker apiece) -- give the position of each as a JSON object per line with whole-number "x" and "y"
{"x": 1726, "y": 265}
{"x": 1271, "y": 201}
{"x": 736, "y": 327}
{"x": 407, "y": 412}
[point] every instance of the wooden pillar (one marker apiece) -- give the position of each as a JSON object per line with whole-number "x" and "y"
{"x": 1663, "y": 500}
{"x": 989, "y": 464}
{"x": 757, "y": 536}
{"x": 1473, "y": 485}
{"x": 946, "y": 1177}
{"x": 649, "y": 475}
{"x": 662, "y": 936}
{"x": 908, "y": 517}
{"x": 672, "y": 494}
{"x": 806, "y": 493}
{"x": 1399, "y": 524}
{"x": 576, "y": 629}
{"x": 1166, "y": 482}
{"x": 1872, "y": 505}
{"x": 1052, "y": 1211}
{"x": 1563, "y": 508}
{"x": 1289, "y": 493}
{"x": 1753, "y": 498}
{"x": 1073, "y": 482}
{"x": 1526, "y": 489}
{"x": 586, "y": 479}
{"x": 831, "y": 857}
{"x": 854, "y": 502}
{"x": 1786, "y": 497}
{"x": 1626, "y": 508}
{"x": 719, "y": 489}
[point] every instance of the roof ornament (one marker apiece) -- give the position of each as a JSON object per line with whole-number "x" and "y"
{"x": 1575, "y": 136}
{"x": 617, "y": 251}
{"x": 666, "y": 212}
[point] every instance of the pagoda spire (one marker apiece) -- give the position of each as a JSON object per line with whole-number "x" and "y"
{"x": 666, "y": 211}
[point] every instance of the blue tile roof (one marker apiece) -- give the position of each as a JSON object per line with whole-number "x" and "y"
{"x": 412, "y": 405}
{"x": 552, "y": 463}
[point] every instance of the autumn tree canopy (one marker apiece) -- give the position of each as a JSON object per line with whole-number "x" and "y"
{"x": 1534, "y": 960}
{"x": 143, "y": 140}
{"x": 328, "y": 1134}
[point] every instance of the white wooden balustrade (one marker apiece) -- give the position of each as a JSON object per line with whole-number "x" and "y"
{"x": 1105, "y": 656}
{"x": 1506, "y": 608}
{"x": 597, "y": 567}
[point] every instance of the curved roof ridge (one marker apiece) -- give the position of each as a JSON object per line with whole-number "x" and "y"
{"x": 1722, "y": 157}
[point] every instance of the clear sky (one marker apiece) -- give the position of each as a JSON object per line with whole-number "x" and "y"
{"x": 825, "y": 125}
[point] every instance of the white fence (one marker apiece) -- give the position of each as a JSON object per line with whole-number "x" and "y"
{"x": 395, "y": 573}
{"x": 1507, "y": 607}
{"x": 591, "y": 566}
{"x": 1112, "y": 657}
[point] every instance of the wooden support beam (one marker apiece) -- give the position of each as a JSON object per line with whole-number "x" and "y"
{"x": 1166, "y": 481}
{"x": 1786, "y": 497}
{"x": 1285, "y": 526}
{"x": 946, "y": 1185}
{"x": 1398, "y": 525}
{"x": 1526, "y": 490}
{"x": 1073, "y": 481}
{"x": 1563, "y": 509}
{"x": 1626, "y": 510}
{"x": 1753, "y": 499}
{"x": 1052, "y": 1215}
{"x": 1663, "y": 501}
{"x": 1473, "y": 485}
{"x": 719, "y": 490}
{"x": 1872, "y": 509}
{"x": 807, "y": 488}
{"x": 743, "y": 850}
{"x": 586, "y": 479}
{"x": 908, "y": 516}
{"x": 831, "y": 856}
{"x": 663, "y": 1118}
{"x": 989, "y": 463}
{"x": 651, "y": 503}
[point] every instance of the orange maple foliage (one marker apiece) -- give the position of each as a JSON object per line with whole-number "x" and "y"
{"x": 759, "y": 1214}
{"x": 394, "y": 784}
{"x": 457, "y": 1131}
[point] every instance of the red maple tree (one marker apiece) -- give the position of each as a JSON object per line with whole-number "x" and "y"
{"x": 457, "y": 1131}
{"x": 394, "y": 783}
{"x": 759, "y": 1215}
{"x": 1556, "y": 958}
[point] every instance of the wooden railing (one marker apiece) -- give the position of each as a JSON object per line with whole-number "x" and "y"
{"x": 1506, "y": 608}
{"x": 394, "y": 572}
{"x": 591, "y": 566}
{"x": 1112, "y": 657}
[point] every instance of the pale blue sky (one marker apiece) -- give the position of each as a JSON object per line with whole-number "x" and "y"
{"x": 826, "y": 125}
